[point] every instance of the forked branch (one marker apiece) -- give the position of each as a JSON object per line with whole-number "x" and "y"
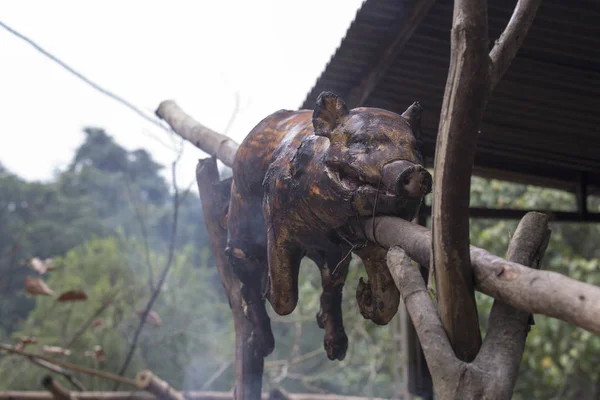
{"x": 527, "y": 289}
{"x": 472, "y": 75}
{"x": 493, "y": 373}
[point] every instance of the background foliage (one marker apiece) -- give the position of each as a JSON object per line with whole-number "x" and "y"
{"x": 106, "y": 221}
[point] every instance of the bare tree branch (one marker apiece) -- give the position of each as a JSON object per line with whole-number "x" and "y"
{"x": 163, "y": 276}
{"x": 493, "y": 373}
{"x": 471, "y": 77}
{"x": 68, "y": 365}
{"x": 206, "y": 385}
{"x": 437, "y": 349}
{"x": 199, "y": 135}
{"x": 214, "y": 194}
{"x": 58, "y": 370}
{"x": 86, "y": 324}
{"x": 462, "y": 110}
{"x": 527, "y": 289}
{"x": 234, "y": 113}
{"x": 511, "y": 39}
{"x": 508, "y": 327}
{"x": 138, "y": 215}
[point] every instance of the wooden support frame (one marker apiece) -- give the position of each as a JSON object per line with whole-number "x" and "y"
{"x": 214, "y": 195}
{"x": 472, "y": 76}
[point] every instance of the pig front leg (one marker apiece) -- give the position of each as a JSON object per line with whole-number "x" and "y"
{"x": 246, "y": 249}
{"x": 379, "y": 298}
{"x": 333, "y": 277}
{"x": 284, "y": 257}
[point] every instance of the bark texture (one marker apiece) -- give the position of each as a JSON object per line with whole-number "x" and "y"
{"x": 213, "y": 143}
{"x": 464, "y": 102}
{"x": 472, "y": 75}
{"x": 527, "y": 289}
{"x": 493, "y": 373}
{"x": 214, "y": 195}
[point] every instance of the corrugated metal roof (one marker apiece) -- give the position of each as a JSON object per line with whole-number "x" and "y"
{"x": 542, "y": 122}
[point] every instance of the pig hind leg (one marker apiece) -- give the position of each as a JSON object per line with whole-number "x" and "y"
{"x": 334, "y": 270}
{"x": 378, "y": 298}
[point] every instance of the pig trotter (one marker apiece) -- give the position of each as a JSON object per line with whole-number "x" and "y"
{"x": 379, "y": 298}
{"x": 329, "y": 317}
{"x": 261, "y": 338}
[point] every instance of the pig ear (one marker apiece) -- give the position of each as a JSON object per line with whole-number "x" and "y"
{"x": 330, "y": 110}
{"x": 413, "y": 116}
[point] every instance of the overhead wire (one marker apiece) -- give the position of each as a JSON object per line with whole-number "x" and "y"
{"x": 91, "y": 83}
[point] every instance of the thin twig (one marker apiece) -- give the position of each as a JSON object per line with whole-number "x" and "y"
{"x": 215, "y": 376}
{"x": 234, "y": 113}
{"x": 87, "y": 323}
{"x": 163, "y": 276}
{"x": 94, "y": 85}
{"x": 144, "y": 231}
{"x": 68, "y": 365}
{"x": 58, "y": 370}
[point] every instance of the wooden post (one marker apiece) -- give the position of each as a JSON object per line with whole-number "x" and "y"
{"x": 214, "y": 195}
{"x": 472, "y": 75}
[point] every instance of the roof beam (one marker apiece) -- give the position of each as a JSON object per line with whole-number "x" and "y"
{"x": 412, "y": 15}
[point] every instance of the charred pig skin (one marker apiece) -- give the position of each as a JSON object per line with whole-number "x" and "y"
{"x": 299, "y": 179}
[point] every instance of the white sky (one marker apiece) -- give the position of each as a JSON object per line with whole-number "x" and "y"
{"x": 198, "y": 53}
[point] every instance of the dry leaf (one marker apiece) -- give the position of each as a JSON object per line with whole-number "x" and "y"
{"x": 72, "y": 295}
{"x": 37, "y": 286}
{"x": 56, "y": 350}
{"x": 152, "y": 318}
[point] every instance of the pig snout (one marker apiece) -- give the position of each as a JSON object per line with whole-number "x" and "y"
{"x": 405, "y": 178}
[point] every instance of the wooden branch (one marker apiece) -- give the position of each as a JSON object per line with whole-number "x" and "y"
{"x": 32, "y": 395}
{"x": 70, "y": 366}
{"x": 90, "y": 320}
{"x": 511, "y": 39}
{"x": 61, "y": 371}
{"x": 472, "y": 75}
{"x": 214, "y": 195}
{"x": 493, "y": 373}
{"x": 443, "y": 365}
{"x": 527, "y": 289}
{"x": 462, "y": 111}
{"x": 58, "y": 392}
{"x": 508, "y": 327}
{"x": 163, "y": 276}
{"x": 147, "y": 381}
{"x": 204, "y": 138}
